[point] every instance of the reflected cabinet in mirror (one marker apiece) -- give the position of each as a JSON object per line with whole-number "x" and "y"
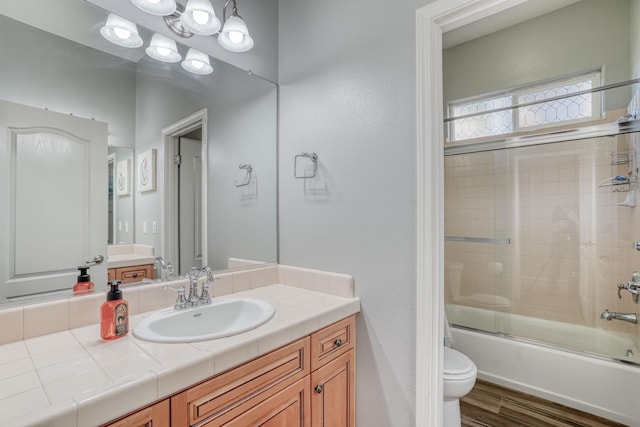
{"x": 104, "y": 147}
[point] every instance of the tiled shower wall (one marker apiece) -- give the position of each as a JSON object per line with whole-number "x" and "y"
{"x": 571, "y": 244}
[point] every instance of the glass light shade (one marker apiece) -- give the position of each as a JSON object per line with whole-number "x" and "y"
{"x": 156, "y": 7}
{"x": 235, "y": 36}
{"x": 197, "y": 62}
{"x": 199, "y": 18}
{"x": 121, "y": 32}
{"x": 163, "y": 49}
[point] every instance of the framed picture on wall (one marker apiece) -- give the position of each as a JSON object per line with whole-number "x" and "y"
{"x": 123, "y": 182}
{"x": 146, "y": 170}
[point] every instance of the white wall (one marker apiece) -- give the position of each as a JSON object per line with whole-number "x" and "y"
{"x": 347, "y": 92}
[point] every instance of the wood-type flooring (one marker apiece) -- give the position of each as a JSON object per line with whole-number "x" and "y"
{"x": 490, "y": 405}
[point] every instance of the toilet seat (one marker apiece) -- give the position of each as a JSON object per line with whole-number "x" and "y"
{"x": 457, "y": 366}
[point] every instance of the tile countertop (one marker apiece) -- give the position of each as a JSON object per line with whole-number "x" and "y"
{"x": 73, "y": 378}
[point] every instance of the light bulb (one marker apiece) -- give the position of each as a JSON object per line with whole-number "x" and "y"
{"x": 198, "y": 65}
{"x": 122, "y": 33}
{"x": 236, "y": 36}
{"x": 200, "y": 17}
{"x": 153, "y": 1}
{"x": 163, "y": 51}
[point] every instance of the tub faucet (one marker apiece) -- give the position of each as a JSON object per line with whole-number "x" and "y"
{"x": 627, "y": 317}
{"x": 633, "y": 287}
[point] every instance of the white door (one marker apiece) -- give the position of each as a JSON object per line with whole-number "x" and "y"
{"x": 53, "y": 199}
{"x": 190, "y": 202}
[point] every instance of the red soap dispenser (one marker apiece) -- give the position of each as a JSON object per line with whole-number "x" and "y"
{"x": 84, "y": 285}
{"x": 114, "y": 314}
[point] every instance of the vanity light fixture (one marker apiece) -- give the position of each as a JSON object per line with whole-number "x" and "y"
{"x": 121, "y": 32}
{"x": 198, "y": 17}
{"x": 197, "y": 62}
{"x": 156, "y": 7}
{"x": 163, "y": 49}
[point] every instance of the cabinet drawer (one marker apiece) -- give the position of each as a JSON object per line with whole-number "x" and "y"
{"x": 134, "y": 274}
{"x": 332, "y": 341}
{"x": 152, "y": 416}
{"x": 218, "y": 398}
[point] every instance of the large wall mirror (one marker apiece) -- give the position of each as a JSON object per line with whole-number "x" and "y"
{"x": 58, "y": 64}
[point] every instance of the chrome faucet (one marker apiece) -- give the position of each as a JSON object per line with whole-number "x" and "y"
{"x": 204, "y": 298}
{"x": 193, "y": 300}
{"x": 166, "y": 268}
{"x": 633, "y": 287}
{"x": 627, "y": 317}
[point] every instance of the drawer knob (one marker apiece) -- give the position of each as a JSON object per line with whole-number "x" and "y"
{"x": 135, "y": 274}
{"x": 318, "y": 388}
{"x": 338, "y": 342}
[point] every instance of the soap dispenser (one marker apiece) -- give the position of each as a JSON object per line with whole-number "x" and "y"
{"x": 114, "y": 314}
{"x": 84, "y": 284}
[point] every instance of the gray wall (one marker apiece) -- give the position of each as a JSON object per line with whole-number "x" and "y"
{"x": 581, "y": 37}
{"x": 347, "y": 92}
{"x": 46, "y": 71}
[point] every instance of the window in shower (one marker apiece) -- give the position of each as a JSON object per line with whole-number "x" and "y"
{"x": 535, "y": 114}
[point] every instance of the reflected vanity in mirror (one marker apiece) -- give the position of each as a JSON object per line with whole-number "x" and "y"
{"x": 63, "y": 68}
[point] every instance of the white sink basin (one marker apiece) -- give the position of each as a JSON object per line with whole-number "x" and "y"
{"x": 222, "y": 318}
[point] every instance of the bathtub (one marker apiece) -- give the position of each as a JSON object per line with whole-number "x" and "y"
{"x": 575, "y": 378}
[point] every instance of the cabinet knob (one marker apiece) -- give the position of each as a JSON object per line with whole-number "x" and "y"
{"x": 338, "y": 342}
{"x": 318, "y": 388}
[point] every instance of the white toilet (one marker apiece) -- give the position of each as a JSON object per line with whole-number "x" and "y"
{"x": 459, "y": 377}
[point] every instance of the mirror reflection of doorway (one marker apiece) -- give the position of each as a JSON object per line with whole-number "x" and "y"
{"x": 189, "y": 149}
{"x": 184, "y": 242}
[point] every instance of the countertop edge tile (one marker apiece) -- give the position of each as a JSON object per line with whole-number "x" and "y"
{"x": 121, "y": 398}
{"x": 172, "y": 376}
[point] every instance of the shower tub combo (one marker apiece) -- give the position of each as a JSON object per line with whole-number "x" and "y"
{"x": 536, "y": 243}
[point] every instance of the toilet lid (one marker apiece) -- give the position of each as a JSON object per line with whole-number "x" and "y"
{"x": 456, "y": 363}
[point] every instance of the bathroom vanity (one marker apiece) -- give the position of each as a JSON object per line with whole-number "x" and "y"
{"x": 310, "y": 382}
{"x": 290, "y": 369}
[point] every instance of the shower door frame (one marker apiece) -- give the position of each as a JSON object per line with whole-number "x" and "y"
{"x": 432, "y": 21}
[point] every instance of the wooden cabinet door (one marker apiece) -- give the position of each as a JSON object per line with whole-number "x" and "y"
{"x": 288, "y": 408}
{"x": 333, "y": 393}
{"x": 153, "y": 416}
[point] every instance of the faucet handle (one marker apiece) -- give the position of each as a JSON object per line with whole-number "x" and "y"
{"x": 181, "y": 301}
{"x": 635, "y": 277}
{"x": 205, "y": 298}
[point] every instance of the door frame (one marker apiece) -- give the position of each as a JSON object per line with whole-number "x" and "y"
{"x": 112, "y": 175}
{"x": 432, "y": 21}
{"x": 170, "y": 241}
